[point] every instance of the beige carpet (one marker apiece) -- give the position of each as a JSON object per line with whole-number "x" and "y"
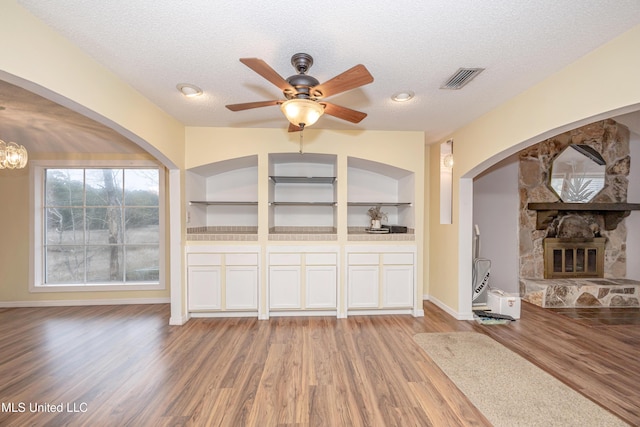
{"x": 506, "y": 388}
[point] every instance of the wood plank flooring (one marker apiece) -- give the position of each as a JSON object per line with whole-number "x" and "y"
{"x": 124, "y": 366}
{"x": 602, "y": 316}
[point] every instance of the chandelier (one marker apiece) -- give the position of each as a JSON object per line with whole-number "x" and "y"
{"x": 12, "y": 155}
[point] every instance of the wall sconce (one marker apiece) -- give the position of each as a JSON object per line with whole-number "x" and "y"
{"x": 447, "y": 161}
{"x": 446, "y": 182}
{"x": 12, "y": 155}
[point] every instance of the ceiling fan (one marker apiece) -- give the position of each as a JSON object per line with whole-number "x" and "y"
{"x": 304, "y": 94}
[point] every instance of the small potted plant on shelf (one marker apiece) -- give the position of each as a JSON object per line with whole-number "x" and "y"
{"x": 377, "y": 216}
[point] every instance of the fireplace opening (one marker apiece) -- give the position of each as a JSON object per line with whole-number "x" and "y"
{"x": 573, "y": 258}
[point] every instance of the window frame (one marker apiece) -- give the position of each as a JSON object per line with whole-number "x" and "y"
{"x": 38, "y": 219}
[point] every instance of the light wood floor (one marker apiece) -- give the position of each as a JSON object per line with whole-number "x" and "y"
{"x": 121, "y": 366}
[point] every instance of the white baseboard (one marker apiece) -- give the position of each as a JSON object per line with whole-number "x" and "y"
{"x": 221, "y": 314}
{"x": 178, "y": 321}
{"x": 378, "y": 312}
{"x": 451, "y": 312}
{"x": 85, "y": 302}
{"x": 293, "y": 313}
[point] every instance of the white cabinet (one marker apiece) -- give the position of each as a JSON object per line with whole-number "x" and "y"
{"x": 321, "y": 286}
{"x": 303, "y": 279}
{"x": 241, "y": 285}
{"x": 380, "y": 278}
{"x": 284, "y": 287}
{"x": 363, "y": 286}
{"x": 222, "y": 279}
{"x": 397, "y": 279}
{"x": 397, "y": 284}
{"x": 204, "y": 287}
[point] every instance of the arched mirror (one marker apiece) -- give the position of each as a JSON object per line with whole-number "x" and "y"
{"x": 577, "y": 174}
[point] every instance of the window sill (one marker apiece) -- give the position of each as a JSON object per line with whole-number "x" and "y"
{"x": 141, "y": 286}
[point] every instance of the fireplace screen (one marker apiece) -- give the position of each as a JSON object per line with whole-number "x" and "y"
{"x": 566, "y": 258}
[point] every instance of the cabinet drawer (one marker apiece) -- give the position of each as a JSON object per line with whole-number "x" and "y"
{"x": 397, "y": 258}
{"x": 364, "y": 259}
{"x": 241, "y": 259}
{"x": 321, "y": 259}
{"x": 285, "y": 259}
{"x": 204, "y": 259}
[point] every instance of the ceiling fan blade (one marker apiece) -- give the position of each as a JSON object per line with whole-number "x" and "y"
{"x": 262, "y": 68}
{"x": 294, "y": 128}
{"x": 343, "y": 113}
{"x": 350, "y": 79}
{"x": 250, "y": 105}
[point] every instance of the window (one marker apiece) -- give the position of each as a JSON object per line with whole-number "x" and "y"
{"x": 99, "y": 227}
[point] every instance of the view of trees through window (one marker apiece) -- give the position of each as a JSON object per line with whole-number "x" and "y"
{"x": 102, "y": 226}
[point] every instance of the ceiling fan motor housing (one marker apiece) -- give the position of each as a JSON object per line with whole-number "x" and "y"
{"x": 302, "y": 62}
{"x": 301, "y": 81}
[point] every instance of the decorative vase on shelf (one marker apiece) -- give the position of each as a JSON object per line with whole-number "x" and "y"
{"x": 377, "y": 216}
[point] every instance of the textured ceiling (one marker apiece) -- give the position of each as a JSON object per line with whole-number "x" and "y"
{"x": 406, "y": 45}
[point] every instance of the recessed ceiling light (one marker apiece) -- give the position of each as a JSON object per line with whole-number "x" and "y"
{"x": 188, "y": 90}
{"x": 403, "y": 96}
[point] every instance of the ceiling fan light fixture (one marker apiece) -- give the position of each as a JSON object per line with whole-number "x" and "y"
{"x": 189, "y": 90}
{"x": 302, "y": 111}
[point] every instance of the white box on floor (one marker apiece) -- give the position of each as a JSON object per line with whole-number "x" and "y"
{"x": 503, "y": 303}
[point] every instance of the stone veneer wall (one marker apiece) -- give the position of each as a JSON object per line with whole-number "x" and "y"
{"x": 611, "y": 140}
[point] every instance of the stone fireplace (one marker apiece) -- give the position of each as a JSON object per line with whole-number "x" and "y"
{"x": 574, "y": 254}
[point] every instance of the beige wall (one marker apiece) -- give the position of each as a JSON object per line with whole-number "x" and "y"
{"x": 601, "y": 84}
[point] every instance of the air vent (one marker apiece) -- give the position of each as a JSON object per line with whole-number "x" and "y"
{"x": 461, "y": 77}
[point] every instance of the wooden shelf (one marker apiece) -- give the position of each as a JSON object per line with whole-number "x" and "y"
{"x": 303, "y": 179}
{"x": 613, "y": 212}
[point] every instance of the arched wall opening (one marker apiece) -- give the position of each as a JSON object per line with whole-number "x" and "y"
{"x": 173, "y": 213}
{"x": 466, "y": 203}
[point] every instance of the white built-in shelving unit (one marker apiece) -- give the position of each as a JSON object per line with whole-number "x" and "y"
{"x": 302, "y": 190}
{"x": 315, "y": 272}
{"x": 377, "y": 184}
{"x": 223, "y": 193}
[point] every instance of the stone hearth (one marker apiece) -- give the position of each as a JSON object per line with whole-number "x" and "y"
{"x": 558, "y": 293}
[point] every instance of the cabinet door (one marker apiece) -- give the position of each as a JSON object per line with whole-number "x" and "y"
{"x": 284, "y": 287}
{"x": 241, "y": 286}
{"x": 204, "y": 287}
{"x": 321, "y": 286}
{"x": 363, "y": 286}
{"x": 398, "y": 285}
